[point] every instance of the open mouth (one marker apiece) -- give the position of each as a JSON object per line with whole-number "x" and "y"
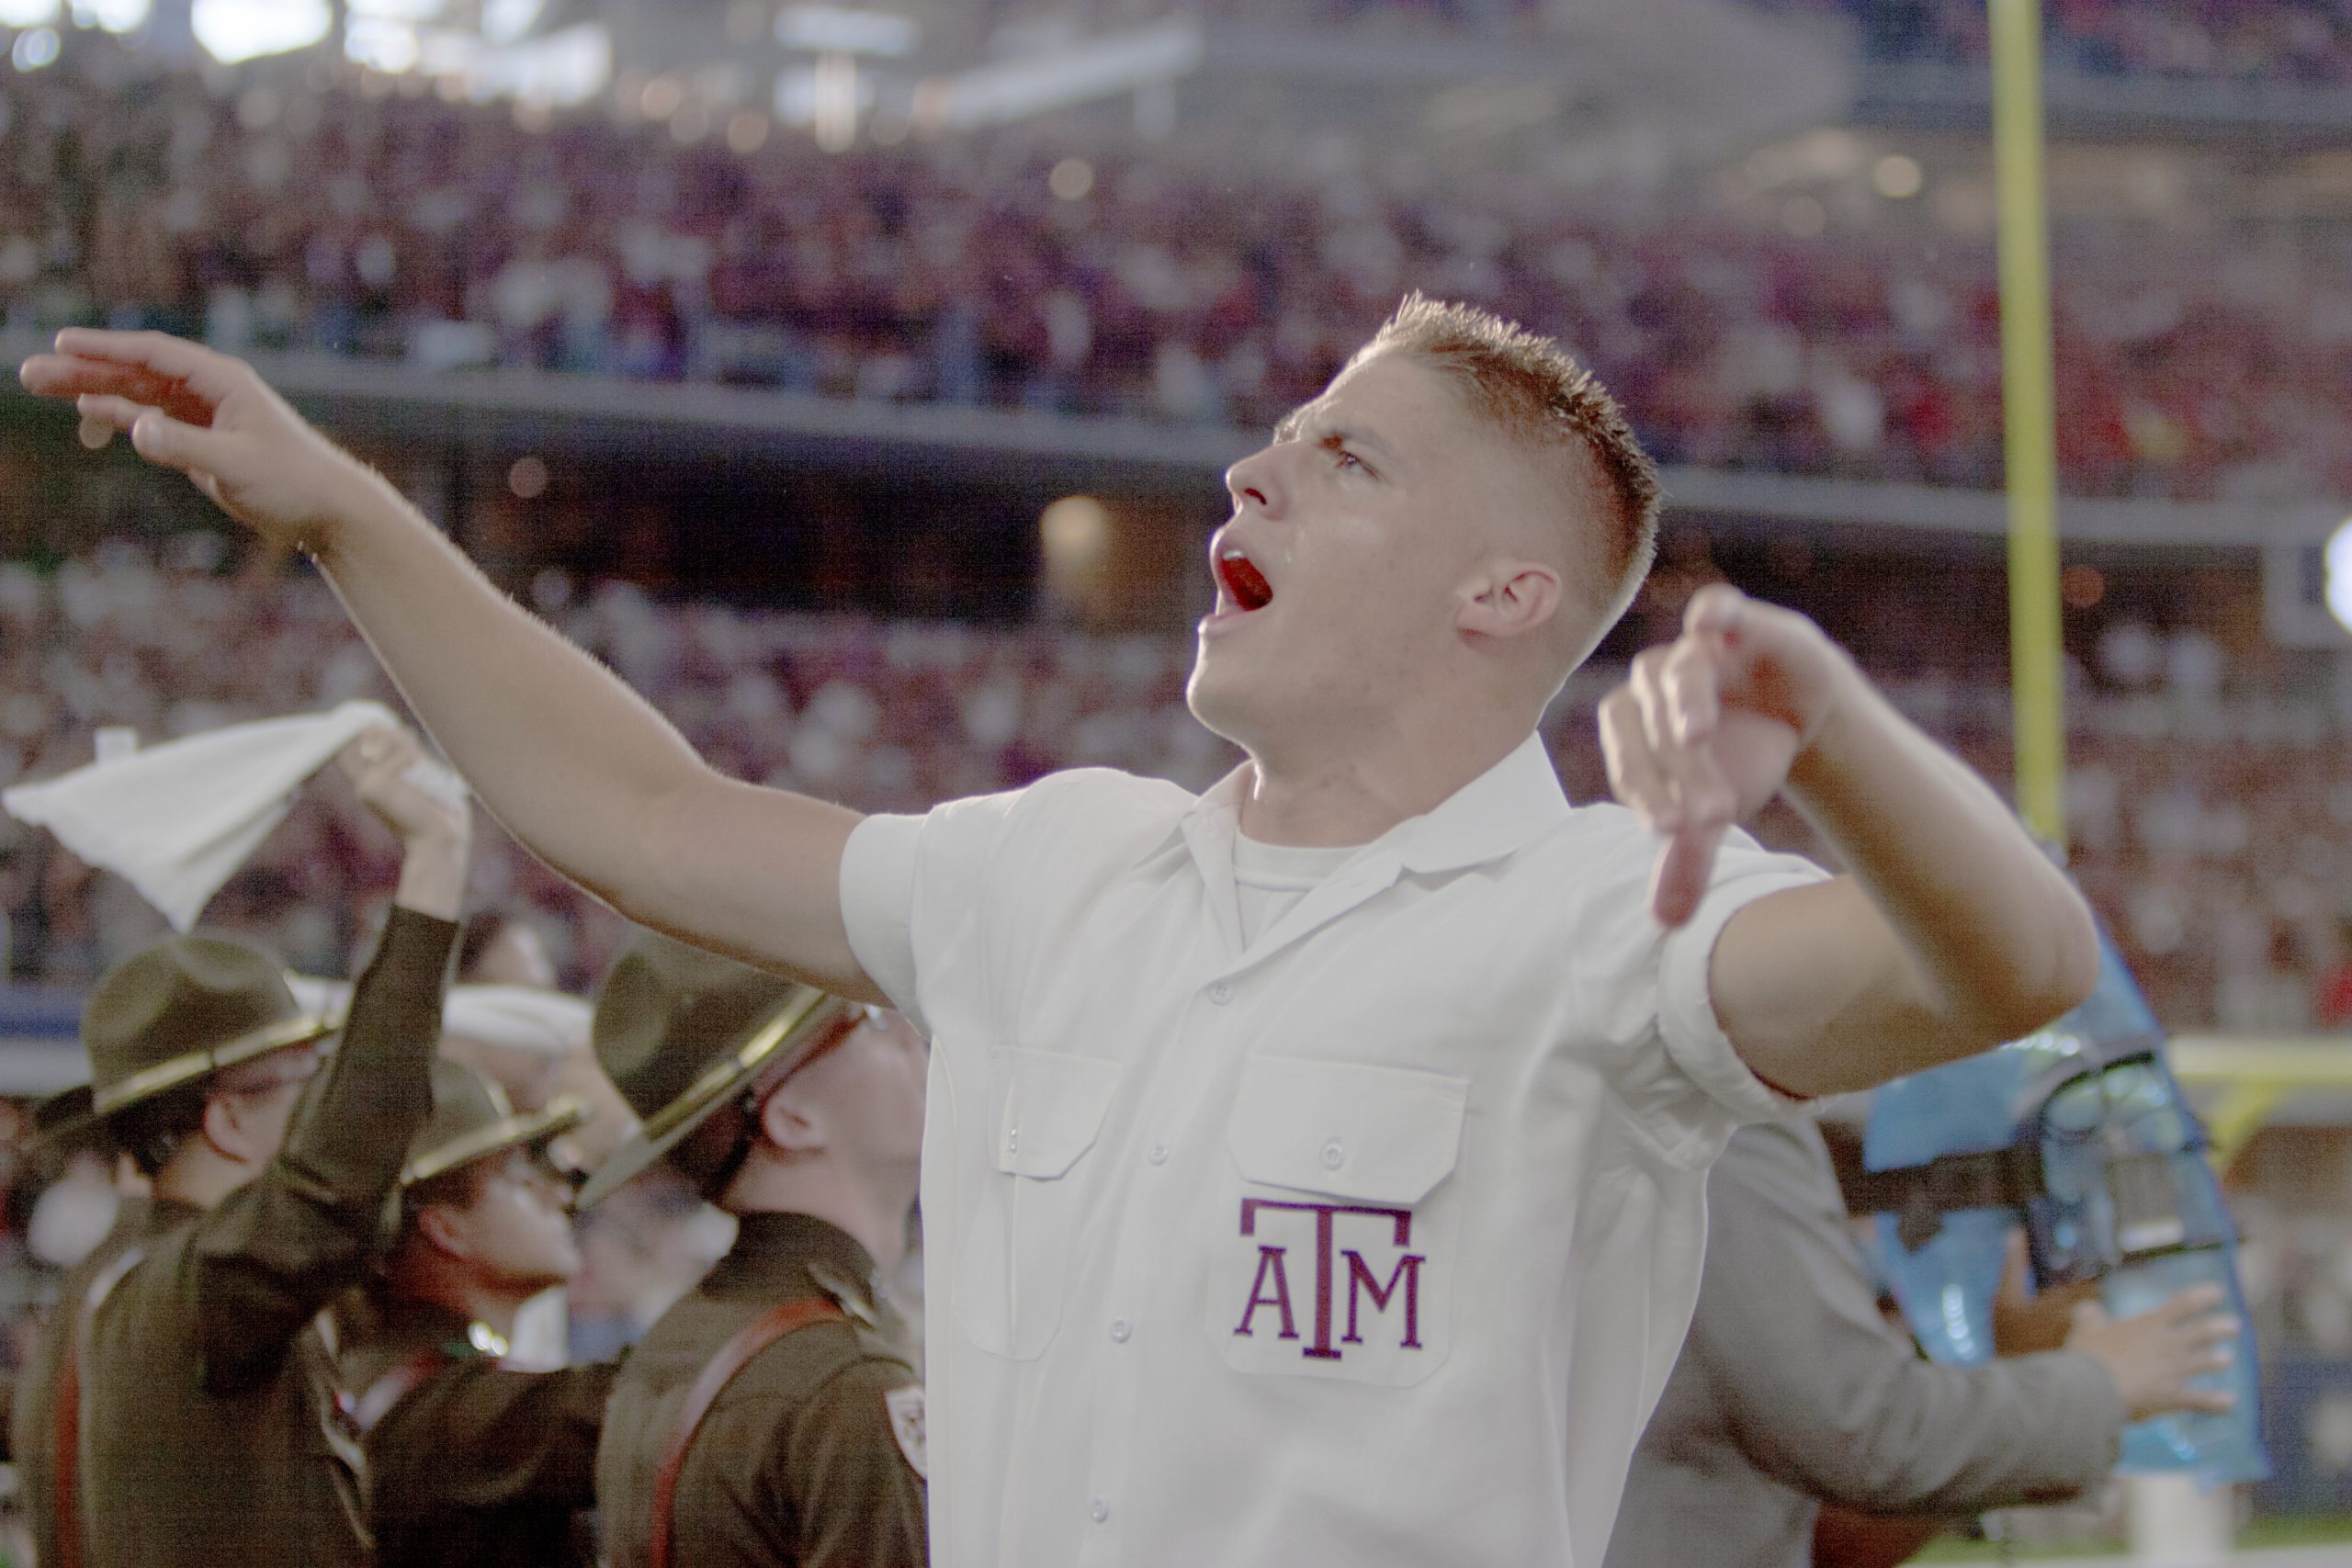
{"x": 1242, "y": 580}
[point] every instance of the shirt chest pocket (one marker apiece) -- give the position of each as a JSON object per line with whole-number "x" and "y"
{"x": 1011, "y": 1270}
{"x": 1332, "y": 1246}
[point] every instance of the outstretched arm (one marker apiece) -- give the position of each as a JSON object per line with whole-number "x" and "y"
{"x": 1951, "y": 931}
{"x": 582, "y": 772}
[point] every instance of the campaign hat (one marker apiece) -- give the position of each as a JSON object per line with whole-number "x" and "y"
{"x": 681, "y": 1032}
{"x": 472, "y": 1120}
{"x": 182, "y": 1010}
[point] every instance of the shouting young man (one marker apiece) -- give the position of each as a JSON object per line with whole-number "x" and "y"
{"x": 1315, "y": 1169}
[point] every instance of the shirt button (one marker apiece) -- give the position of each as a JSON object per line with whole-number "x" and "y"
{"x": 1120, "y": 1329}
{"x": 1334, "y": 1156}
{"x": 1013, "y": 1142}
{"x": 1220, "y": 993}
{"x": 1097, "y": 1510}
{"x": 1157, "y": 1154}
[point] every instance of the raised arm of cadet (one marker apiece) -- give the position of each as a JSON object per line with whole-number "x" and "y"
{"x": 270, "y": 1254}
{"x": 1950, "y": 932}
{"x": 575, "y": 765}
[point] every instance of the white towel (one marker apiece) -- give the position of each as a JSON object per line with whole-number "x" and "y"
{"x": 177, "y": 820}
{"x": 520, "y": 1018}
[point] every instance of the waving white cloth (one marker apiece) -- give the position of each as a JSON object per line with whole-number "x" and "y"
{"x": 520, "y": 1018}
{"x": 177, "y": 820}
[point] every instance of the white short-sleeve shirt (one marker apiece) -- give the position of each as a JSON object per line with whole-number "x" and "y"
{"x": 1370, "y": 1243}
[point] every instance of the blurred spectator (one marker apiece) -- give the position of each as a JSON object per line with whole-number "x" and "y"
{"x": 2306, "y": 41}
{"x": 2212, "y": 827}
{"x": 260, "y": 212}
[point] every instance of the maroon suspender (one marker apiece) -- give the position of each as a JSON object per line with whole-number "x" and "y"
{"x": 756, "y": 1335}
{"x": 65, "y": 1503}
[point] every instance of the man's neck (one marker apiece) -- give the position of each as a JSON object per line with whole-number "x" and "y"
{"x": 198, "y": 1179}
{"x": 876, "y": 1221}
{"x": 494, "y": 1306}
{"x": 1299, "y": 799}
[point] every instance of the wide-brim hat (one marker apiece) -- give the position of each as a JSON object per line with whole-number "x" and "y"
{"x": 185, "y": 1009}
{"x": 472, "y": 1120}
{"x": 681, "y": 1032}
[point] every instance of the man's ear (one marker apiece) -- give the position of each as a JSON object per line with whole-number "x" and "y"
{"x": 790, "y": 1124}
{"x": 1511, "y": 598}
{"x": 227, "y": 1128}
{"x": 440, "y": 1230}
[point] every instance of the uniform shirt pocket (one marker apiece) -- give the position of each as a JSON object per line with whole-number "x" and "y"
{"x": 1012, "y": 1268}
{"x": 1334, "y": 1233}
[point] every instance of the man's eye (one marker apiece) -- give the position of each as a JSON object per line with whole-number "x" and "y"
{"x": 1345, "y": 459}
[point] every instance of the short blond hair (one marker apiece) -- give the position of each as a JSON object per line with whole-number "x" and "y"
{"x": 1540, "y": 396}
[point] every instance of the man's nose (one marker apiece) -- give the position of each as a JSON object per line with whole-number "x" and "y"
{"x": 1255, "y": 482}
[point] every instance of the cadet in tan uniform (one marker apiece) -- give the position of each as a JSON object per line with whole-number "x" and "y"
{"x": 470, "y": 1463}
{"x": 773, "y": 1415}
{"x": 210, "y": 1435}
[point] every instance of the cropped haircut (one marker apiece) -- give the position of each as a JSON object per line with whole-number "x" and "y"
{"x": 1537, "y": 393}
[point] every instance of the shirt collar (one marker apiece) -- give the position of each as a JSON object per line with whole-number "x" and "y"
{"x": 774, "y": 1248}
{"x": 1505, "y": 808}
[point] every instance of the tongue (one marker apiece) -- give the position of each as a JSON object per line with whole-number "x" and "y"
{"x": 1247, "y": 584}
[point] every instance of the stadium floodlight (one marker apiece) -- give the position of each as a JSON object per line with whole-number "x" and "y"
{"x": 233, "y": 32}
{"x": 113, "y": 15}
{"x": 2337, "y": 558}
{"x": 505, "y": 21}
{"x": 837, "y": 29}
{"x": 34, "y": 48}
{"x": 27, "y": 13}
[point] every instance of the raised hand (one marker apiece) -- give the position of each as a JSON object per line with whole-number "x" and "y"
{"x": 2154, "y": 1356}
{"x": 386, "y": 766}
{"x": 190, "y": 407}
{"x": 1707, "y": 727}
{"x": 387, "y": 769}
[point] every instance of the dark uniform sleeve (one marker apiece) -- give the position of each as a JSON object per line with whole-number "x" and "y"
{"x": 846, "y": 1480}
{"x": 481, "y": 1437}
{"x": 271, "y": 1254}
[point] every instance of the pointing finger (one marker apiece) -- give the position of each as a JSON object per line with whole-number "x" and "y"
{"x": 204, "y": 371}
{"x": 1680, "y": 879}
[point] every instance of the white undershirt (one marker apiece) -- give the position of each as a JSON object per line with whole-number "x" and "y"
{"x": 1270, "y": 878}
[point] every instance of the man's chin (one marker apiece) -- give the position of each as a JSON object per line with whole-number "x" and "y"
{"x": 1223, "y": 711}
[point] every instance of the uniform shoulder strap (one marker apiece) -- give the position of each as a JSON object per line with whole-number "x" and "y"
{"x": 733, "y": 1356}
{"x": 65, "y": 1423}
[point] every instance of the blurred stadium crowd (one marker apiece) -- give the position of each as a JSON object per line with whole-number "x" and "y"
{"x": 987, "y": 273}
{"x": 2211, "y": 812}
{"x": 2253, "y": 40}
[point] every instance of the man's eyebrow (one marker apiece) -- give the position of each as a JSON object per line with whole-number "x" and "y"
{"x": 1292, "y": 425}
{"x": 1341, "y": 437}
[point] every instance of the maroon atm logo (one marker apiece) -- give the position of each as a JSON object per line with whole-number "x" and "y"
{"x": 1339, "y": 1268}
